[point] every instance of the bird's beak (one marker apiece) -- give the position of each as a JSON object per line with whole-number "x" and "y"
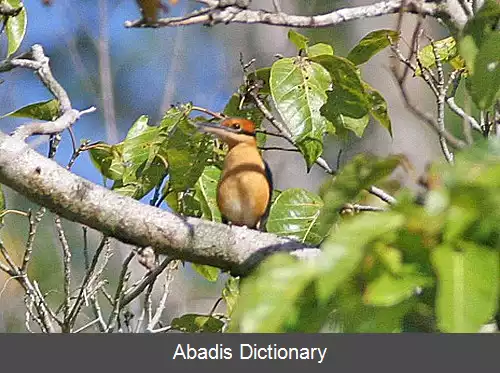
{"x": 214, "y": 127}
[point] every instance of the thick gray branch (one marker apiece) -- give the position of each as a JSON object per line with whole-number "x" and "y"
{"x": 235, "y": 249}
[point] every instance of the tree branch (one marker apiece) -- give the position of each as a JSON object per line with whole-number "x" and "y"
{"x": 216, "y": 12}
{"x": 231, "y": 248}
{"x": 37, "y": 61}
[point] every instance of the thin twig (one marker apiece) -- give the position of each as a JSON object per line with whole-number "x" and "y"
{"x": 169, "y": 277}
{"x": 117, "y": 304}
{"x": 67, "y": 271}
{"x": 105, "y": 77}
{"x": 136, "y": 290}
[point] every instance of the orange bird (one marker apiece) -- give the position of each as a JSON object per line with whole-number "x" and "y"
{"x": 245, "y": 186}
{"x": 150, "y": 8}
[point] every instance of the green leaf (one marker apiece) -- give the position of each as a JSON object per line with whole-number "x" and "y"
{"x": 206, "y": 193}
{"x": 357, "y": 175}
{"x": 484, "y": 84}
{"x": 2, "y": 199}
{"x": 137, "y": 146}
{"x": 390, "y": 289}
{"x": 269, "y": 295}
{"x": 348, "y": 94}
{"x": 378, "y": 107}
{"x": 447, "y": 51}
{"x": 347, "y": 103}
{"x": 187, "y": 154}
{"x": 371, "y": 44}
{"x": 467, "y": 289}
{"x": 108, "y": 160}
{"x": 299, "y": 40}
{"x": 15, "y": 27}
{"x": 354, "y": 316}
{"x": 210, "y": 273}
{"x": 294, "y": 214}
{"x": 46, "y": 110}
{"x": 477, "y": 30}
{"x": 231, "y": 293}
{"x": 196, "y": 323}
{"x": 298, "y": 88}
{"x": 344, "y": 250}
{"x": 319, "y": 49}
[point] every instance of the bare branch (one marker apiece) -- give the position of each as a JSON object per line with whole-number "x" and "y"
{"x": 37, "y": 60}
{"x": 214, "y": 14}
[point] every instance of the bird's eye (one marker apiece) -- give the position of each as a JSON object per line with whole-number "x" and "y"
{"x": 237, "y": 126}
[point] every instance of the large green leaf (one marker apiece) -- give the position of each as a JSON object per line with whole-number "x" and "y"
{"x": 371, "y": 44}
{"x": 269, "y": 296}
{"x": 16, "y": 27}
{"x": 477, "y": 30}
{"x": 298, "y": 88}
{"x": 319, "y": 49}
{"x": 206, "y": 193}
{"x": 187, "y": 154}
{"x": 378, "y": 107}
{"x": 484, "y": 84}
{"x": 352, "y": 315}
{"x": 347, "y": 99}
{"x": 390, "y": 289}
{"x": 467, "y": 290}
{"x": 300, "y": 41}
{"x": 344, "y": 250}
{"x": 46, "y": 110}
{"x": 294, "y": 214}
{"x": 108, "y": 160}
{"x": 137, "y": 147}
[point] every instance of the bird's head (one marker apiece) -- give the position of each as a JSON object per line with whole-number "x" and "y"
{"x": 232, "y": 131}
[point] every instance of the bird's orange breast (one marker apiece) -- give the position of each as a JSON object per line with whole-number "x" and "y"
{"x": 244, "y": 191}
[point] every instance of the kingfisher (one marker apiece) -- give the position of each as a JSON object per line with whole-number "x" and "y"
{"x": 245, "y": 186}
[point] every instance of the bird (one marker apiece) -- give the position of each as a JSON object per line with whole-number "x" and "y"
{"x": 150, "y": 8}
{"x": 245, "y": 186}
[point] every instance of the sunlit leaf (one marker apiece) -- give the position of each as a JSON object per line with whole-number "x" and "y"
{"x": 46, "y": 110}
{"x": 210, "y": 273}
{"x": 371, "y": 44}
{"x": 319, "y": 49}
{"x": 299, "y": 40}
{"x": 298, "y": 87}
{"x": 108, "y": 160}
{"x": 484, "y": 84}
{"x": 206, "y": 193}
{"x": 16, "y": 27}
{"x": 391, "y": 289}
{"x": 447, "y": 51}
{"x": 294, "y": 214}
{"x": 467, "y": 290}
{"x": 378, "y": 107}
